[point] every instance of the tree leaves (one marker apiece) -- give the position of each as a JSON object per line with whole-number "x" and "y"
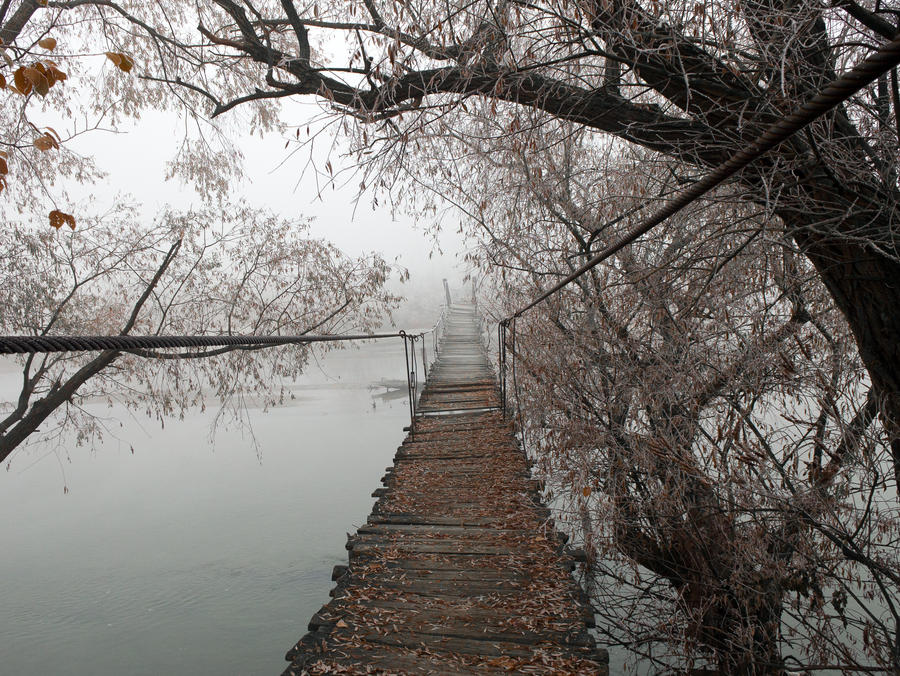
{"x": 122, "y": 61}
{"x": 58, "y": 219}
{"x": 47, "y": 43}
{"x": 51, "y": 72}
{"x": 21, "y": 83}
{"x": 258, "y": 272}
{"x": 49, "y": 140}
{"x": 39, "y": 77}
{"x": 38, "y": 80}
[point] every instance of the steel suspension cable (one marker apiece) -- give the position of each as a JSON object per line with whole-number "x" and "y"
{"x": 32, "y": 344}
{"x": 835, "y": 93}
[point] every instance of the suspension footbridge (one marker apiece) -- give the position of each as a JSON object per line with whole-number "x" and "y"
{"x": 459, "y": 568}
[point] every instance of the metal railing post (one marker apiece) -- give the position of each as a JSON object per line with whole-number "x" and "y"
{"x": 501, "y": 356}
{"x": 424, "y": 357}
{"x": 409, "y": 384}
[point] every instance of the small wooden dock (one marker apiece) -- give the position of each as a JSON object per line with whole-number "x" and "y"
{"x": 459, "y": 569}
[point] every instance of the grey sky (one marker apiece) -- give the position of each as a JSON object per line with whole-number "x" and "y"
{"x": 136, "y": 157}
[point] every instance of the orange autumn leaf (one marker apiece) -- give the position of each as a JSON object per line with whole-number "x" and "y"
{"x": 54, "y": 74}
{"x": 122, "y": 61}
{"x": 38, "y": 80}
{"x": 45, "y": 142}
{"x": 39, "y": 77}
{"x": 21, "y": 83}
{"x": 58, "y": 219}
{"x": 47, "y": 43}
{"x": 50, "y": 71}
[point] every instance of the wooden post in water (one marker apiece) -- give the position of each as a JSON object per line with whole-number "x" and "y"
{"x": 447, "y": 292}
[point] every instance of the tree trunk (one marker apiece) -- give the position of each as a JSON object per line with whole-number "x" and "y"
{"x": 43, "y": 408}
{"x": 865, "y": 285}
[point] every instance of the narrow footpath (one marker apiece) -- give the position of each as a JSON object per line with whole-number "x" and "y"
{"x": 459, "y": 569}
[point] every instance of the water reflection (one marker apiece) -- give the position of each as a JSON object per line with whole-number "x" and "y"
{"x": 191, "y": 557}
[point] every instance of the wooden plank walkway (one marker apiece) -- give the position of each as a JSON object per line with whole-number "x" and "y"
{"x": 458, "y": 570}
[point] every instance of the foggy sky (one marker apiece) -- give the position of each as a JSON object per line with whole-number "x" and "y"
{"x": 136, "y": 161}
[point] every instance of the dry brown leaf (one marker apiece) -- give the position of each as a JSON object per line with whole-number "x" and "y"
{"x": 22, "y": 84}
{"x": 45, "y": 142}
{"x": 122, "y": 61}
{"x": 58, "y": 219}
{"x": 38, "y": 80}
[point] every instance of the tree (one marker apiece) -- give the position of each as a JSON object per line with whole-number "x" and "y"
{"x": 212, "y": 272}
{"x": 65, "y": 75}
{"x": 30, "y": 73}
{"x": 695, "y": 82}
{"x": 699, "y": 409}
{"x": 689, "y": 84}
{"x": 692, "y": 81}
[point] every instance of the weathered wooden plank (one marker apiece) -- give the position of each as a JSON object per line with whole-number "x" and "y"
{"x": 433, "y": 520}
{"x": 428, "y": 627}
{"x": 472, "y": 610}
{"x": 391, "y": 661}
{"x": 445, "y": 530}
{"x": 468, "y": 644}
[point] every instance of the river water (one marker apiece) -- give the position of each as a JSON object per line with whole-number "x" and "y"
{"x": 187, "y": 556}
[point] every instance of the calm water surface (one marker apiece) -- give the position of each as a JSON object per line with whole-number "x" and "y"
{"x": 187, "y": 556}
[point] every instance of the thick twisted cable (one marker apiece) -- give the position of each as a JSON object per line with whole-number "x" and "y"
{"x": 34, "y": 344}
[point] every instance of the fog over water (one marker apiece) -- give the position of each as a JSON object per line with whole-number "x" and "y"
{"x": 187, "y": 556}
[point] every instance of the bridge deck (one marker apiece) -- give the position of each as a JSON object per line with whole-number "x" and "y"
{"x": 457, "y": 570}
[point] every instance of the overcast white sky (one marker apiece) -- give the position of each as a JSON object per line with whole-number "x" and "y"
{"x": 136, "y": 159}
